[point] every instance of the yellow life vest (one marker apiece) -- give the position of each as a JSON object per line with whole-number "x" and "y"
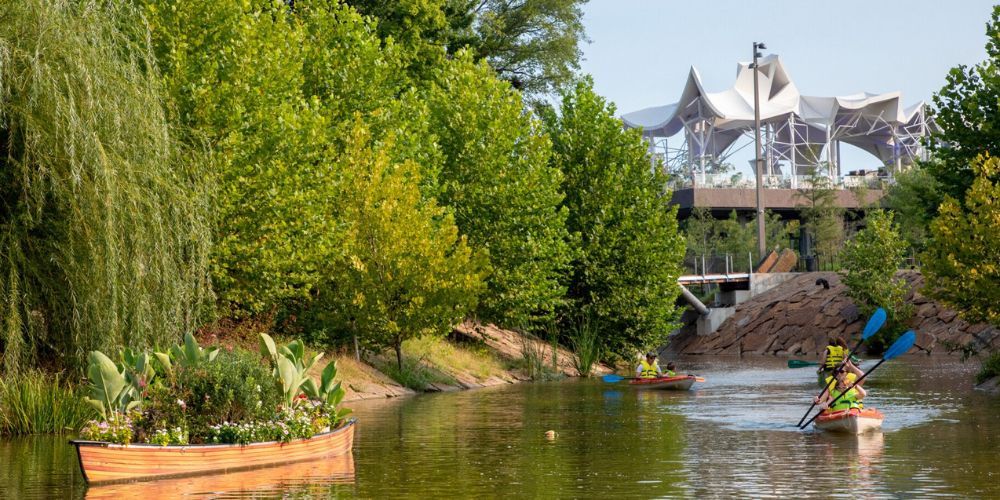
{"x": 831, "y": 385}
{"x": 834, "y": 356}
{"x": 846, "y": 402}
{"x": 648, "y": 370}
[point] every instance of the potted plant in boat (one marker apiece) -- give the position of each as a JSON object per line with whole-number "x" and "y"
{"x": 198, "y": 410}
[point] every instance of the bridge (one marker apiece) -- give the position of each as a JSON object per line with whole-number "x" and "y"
{"x": 733, "y": 287}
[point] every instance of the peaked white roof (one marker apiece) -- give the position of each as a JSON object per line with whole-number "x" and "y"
{"x": 850, "y": 118}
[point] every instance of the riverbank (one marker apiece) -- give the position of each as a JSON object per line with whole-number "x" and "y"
{"x": 472, "y": 356}
{"x": 798, "y": 316}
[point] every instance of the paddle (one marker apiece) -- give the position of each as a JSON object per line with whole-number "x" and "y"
{"x": 611, "y": 379}
{"x": 874, "y": 323}
{"x": 900, "y": 346}
{"x": 798, "y": 363}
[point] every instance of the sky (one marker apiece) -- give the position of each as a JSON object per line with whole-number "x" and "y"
{"x": 641, "y": 50}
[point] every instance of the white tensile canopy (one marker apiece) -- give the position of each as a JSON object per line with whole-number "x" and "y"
{"x": 798, "y": 129}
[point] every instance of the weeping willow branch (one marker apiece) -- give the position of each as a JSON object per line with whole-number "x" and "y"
{"x": 103, "y": 217}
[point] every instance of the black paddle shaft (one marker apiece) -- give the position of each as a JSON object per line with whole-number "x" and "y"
{"x": 843, "y": 362}
{"x": 856, "y": 382}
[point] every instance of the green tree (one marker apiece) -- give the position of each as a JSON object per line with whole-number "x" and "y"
{"x": 699, "y": 232}
{"x": 406, "y": 272}
{"x": 967, "y": 110}
{"x": 504, "y": 192}
{"x": 870, "y": 262}
{"x": 629, "y": 249}
{"x": 533, "y": 44}
{"x": 914, "y": 198}
{"x": 821, "y": 217}
{"x": 962, "y": 261}
{"x": 234, "y": 76}
{"x": 104, "y": 224}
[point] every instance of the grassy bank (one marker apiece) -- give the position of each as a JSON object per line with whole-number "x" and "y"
{"x": 36, "y": 402}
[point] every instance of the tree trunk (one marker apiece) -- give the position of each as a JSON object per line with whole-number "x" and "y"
{"x": 399, "y": 353}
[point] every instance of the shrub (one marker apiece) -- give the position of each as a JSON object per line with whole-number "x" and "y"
{"x": 238, "y": 387}
{"x": 116, "y": 429}
{"x": 991, "y": 368}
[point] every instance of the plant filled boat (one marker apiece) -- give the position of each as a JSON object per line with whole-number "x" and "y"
{"x": 677, "y": 383}
{"x": 850, "y": 421}
{"x": 309, "y": 479}
{"x": 202, "y": 411}
{"x": 103, "y": 462}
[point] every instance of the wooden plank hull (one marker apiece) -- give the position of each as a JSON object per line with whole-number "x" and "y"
{"x": 853, "y": 421}
{"x": 681, "y": 383}
{"x": 308, "y": 479}
{"x": 106, "y": 462}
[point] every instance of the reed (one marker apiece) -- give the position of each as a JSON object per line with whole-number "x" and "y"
{"x": 35, "y": 402}
{"x": 585, "y": 340}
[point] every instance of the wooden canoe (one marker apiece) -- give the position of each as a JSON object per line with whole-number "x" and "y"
{"x": 310, "y": 479}
{"x": 852, "y": 421}
{"x": 678, "y": 383}
{"x": 103, "y": 462}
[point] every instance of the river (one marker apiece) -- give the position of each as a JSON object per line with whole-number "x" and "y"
{"x": 732, "y": 436}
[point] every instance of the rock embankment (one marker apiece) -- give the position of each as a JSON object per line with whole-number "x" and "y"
{"x": 798, "y": 316}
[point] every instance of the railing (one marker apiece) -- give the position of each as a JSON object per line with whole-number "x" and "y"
{"x": 738, "y": 181}
{"x": 721, "y": 263}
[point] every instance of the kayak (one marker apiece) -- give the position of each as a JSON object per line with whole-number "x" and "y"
{"x": 678, "y": 383}
{"x": 852, "y": 421}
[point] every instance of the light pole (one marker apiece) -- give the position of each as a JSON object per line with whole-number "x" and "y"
{"x": 761, "y": 243}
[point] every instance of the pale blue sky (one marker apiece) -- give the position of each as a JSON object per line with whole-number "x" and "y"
{"x": 641, "y": 50}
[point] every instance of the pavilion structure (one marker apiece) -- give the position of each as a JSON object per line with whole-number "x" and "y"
{"x": 800, "y": 132}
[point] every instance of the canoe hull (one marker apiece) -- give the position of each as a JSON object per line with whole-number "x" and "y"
{"x": 853, "y": 421}
{"x": 681, "y": 383}
{"x": 103, "y": 462}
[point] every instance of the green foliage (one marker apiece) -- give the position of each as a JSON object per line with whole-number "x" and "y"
{"x": 504, "y": 192}
{"x": 406, "y": 272}
{"x": 706, "y": 235}
{"x": 234, "y": 75}
{"x": 626, "y": 243}
{"x": 34, "y": 402}
{"x": 236, "y": 388}
{"x": 104, "y": 232}
{"x": 870, "y": 260}
{"x": 586, "y": 344}
{"x": 534, "y": 44}
{"x": 290, "y": 367}
{"x": 962, "y": 261}
{"x": 821, "y": 217}
{"x": 117, "y": 428}
{"x": 111, "y": 394}
{"x": 327, "y": 392}
{"x": 968, "y": 114}
{"x": 990, "y": 369}
{"x": 914, "y": 198}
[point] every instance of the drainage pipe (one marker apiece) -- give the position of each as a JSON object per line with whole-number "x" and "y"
{"x": 695, "y": 303}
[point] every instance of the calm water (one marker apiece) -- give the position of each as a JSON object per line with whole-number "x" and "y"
{"x": 734, "y": 436}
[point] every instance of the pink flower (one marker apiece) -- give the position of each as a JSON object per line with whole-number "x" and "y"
{"x": 180, "y": 402}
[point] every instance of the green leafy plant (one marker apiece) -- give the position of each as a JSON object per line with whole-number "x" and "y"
{"x": 34, "y": 402}
{"x": 115, "y": 429}
{"x": 166, "y": 437}
{"x": 110, "y": 392}
{"x": 290, "y": 365}
{"x": 586, "y": 344}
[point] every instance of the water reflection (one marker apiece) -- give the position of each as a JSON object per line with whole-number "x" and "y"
{"x": 734, "y": 436}
{"x": 312, "y": 478}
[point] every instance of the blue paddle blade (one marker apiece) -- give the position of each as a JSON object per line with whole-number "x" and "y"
{"x": 901, "y": 345}
{"x": 874, "y": 323}
{"x": 612, "y": 378}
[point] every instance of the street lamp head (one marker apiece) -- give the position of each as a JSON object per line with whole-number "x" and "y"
{"x": 758, "y": 54}
{"x": 761, "y": 46}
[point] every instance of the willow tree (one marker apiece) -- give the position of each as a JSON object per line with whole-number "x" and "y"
{"x": 104, "y": 238}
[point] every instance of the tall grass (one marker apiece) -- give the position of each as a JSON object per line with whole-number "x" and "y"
{"x": 533, "y": 359}
{"x": 36, "y": 402}
{"x": 990, "y": 368}
{"x": 414, "y": 374}
{"x": 103, "y": 231}
{"x": 586, "y": 344}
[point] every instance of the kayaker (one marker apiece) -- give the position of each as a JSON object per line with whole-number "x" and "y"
{"x": 670, "y": 370}
{"x": 648, "y": 368}
{"x": 834, "y": 354}
{"x": 852, "y": 399}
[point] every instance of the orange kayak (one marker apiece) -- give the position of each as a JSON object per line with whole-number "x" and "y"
{"x": 852, "y": 421}
{"x": 678, "y": 383}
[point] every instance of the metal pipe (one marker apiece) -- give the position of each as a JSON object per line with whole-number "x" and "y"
{"x": 761, "y": 243}
{"x": 695, "y": 303}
